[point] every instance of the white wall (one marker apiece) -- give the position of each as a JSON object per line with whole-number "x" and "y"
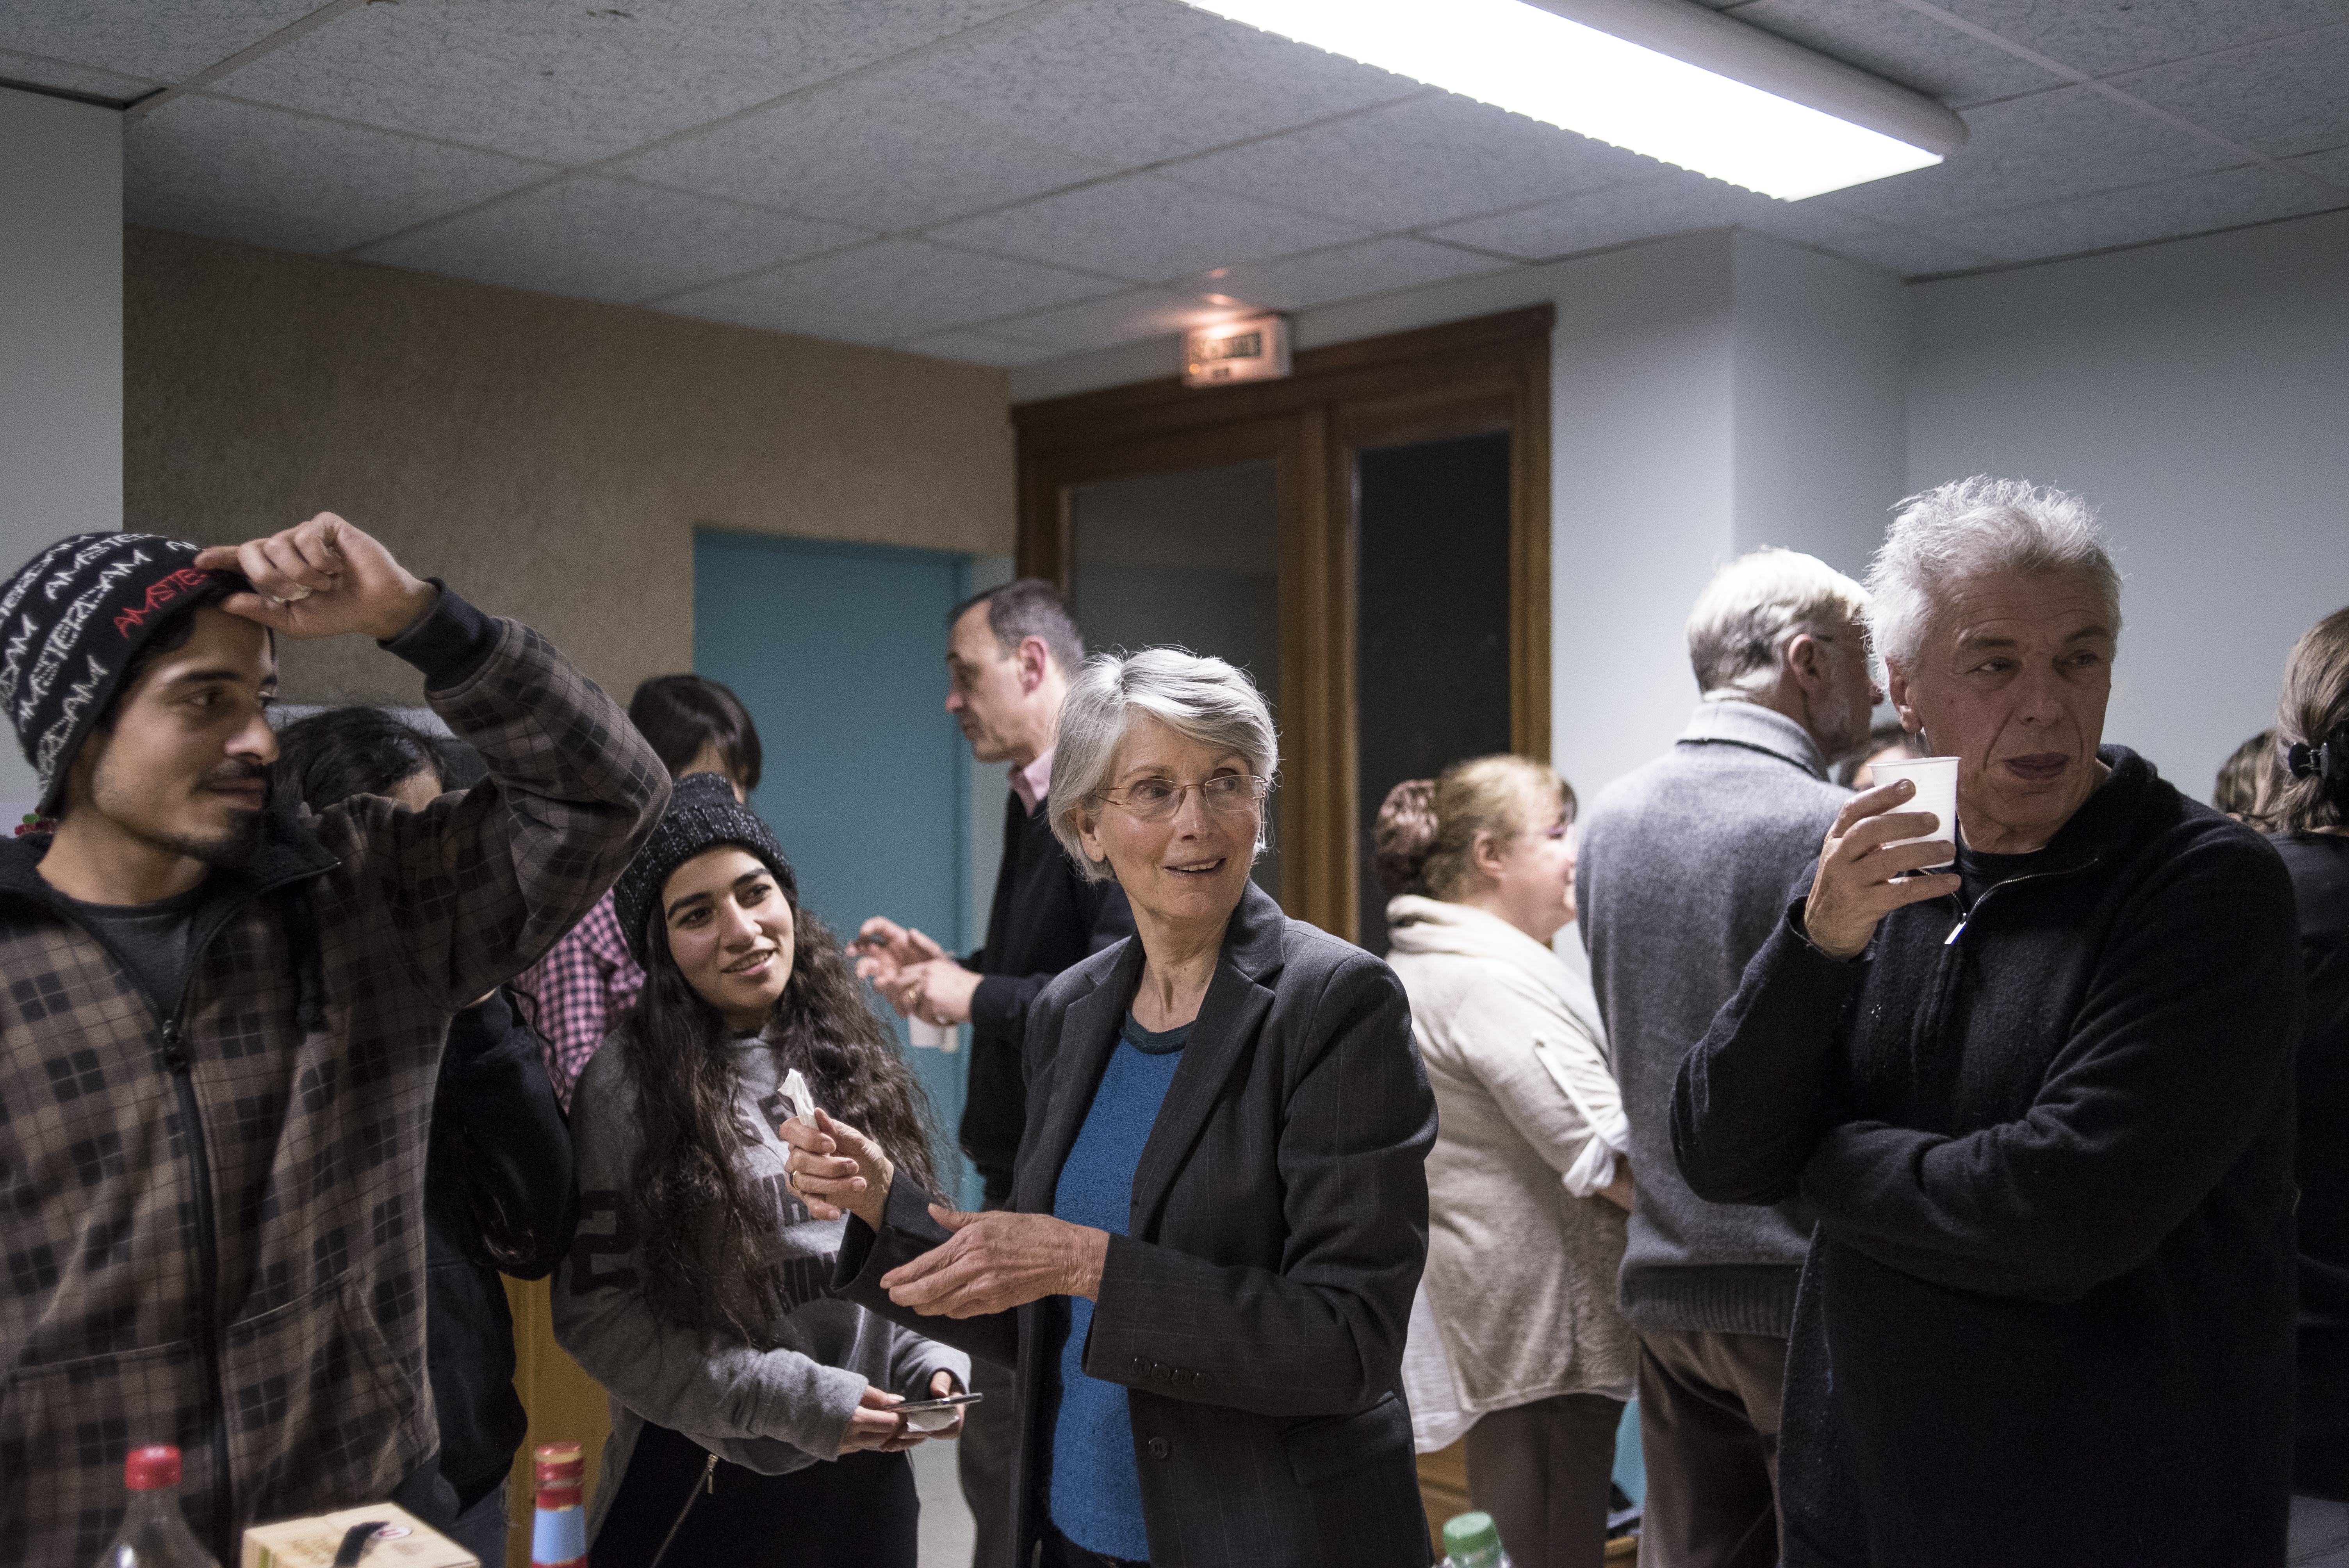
{"x": 61, "y": 335}
{"x": 2198, "y": 391}
{"x": 1710, "y": 393}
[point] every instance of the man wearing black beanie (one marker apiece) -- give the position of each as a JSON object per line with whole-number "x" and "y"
{"x": 221, "y": 1017}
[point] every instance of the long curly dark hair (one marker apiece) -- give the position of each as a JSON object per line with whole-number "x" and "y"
{"x": 709, "y": 1236}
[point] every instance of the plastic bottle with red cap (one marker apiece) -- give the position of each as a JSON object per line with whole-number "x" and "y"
{"x": 153, "y": 1536}
{"x": 558, "y": 1539}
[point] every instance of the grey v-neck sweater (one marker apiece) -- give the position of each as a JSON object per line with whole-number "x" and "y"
{"x": 1684, "y": 872}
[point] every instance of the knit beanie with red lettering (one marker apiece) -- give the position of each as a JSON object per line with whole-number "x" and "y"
{"x": 71, "y": 621}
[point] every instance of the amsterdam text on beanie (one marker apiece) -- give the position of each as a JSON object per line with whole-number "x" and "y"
{"x": 702, "y": 814}
{"x": 72, "y": 620}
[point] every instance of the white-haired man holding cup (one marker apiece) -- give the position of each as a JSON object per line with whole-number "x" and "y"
{"x": 2039, "y": 1102}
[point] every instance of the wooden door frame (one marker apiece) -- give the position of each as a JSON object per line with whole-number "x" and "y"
{"x": 1460, "y": 378}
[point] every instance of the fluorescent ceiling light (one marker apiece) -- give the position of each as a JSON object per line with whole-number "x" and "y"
{"x": 1669, "y": 78}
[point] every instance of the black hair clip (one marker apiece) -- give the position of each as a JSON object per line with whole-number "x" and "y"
{"x": 2328, "y": 760}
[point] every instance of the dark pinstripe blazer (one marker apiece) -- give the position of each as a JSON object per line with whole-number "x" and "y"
{"x": 1256, "y": 1308}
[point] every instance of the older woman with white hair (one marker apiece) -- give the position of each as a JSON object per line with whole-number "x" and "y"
{"x": 1219, "y": 1210}
{"x": 2041, "y": 1104}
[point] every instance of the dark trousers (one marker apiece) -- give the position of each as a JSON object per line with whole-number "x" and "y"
{"x": 856, "y": 1511}
{"x": 1709, "y": 1409}
{"x": 1542, "y": 1471}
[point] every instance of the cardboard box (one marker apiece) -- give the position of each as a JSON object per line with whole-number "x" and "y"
{"x": 405, "y": 1541}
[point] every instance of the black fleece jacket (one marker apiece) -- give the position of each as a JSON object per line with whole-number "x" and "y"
{"x": 2047, "y": 1313}
{"x": 1046, "y": 918}
{"x": 498, "y": 1198}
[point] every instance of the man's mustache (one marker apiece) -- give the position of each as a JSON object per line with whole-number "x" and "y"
{"x": 237, "y": 770}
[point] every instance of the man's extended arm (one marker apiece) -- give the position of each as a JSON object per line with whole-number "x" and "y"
{"x": 999, "y": 1005}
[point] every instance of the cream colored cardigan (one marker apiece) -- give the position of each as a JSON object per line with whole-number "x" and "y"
{"x": 1521, "y": 1257}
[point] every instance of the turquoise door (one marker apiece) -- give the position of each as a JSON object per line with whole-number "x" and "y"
{"x": 838, "y": 651}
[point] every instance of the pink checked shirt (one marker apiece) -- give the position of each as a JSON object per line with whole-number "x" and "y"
{"x": 585, "y": 982}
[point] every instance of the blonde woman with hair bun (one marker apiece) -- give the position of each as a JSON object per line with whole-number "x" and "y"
{"x": 1516, "y": 1335}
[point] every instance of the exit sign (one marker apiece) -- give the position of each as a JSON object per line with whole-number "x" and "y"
{"x": 1254, "y": 349}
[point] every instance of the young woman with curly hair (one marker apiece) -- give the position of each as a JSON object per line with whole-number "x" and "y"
{"x": 751, "y": 1407}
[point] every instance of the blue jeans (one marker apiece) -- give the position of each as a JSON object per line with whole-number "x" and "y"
{"x": 2319, "y": 1534}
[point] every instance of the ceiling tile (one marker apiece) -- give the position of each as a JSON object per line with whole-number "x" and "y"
{"x": 2068, "y": 143}
{"x": 163, "y": 40}
{"x": 295, "y": 182}
{"x": 1910, "y": 255}
{"x": 36, "y": 71}
{"x": 1148, "y": 229}
{"x": 1350, "y": 271}
{"x": 1432, "y": 160}
{"x": 1119, "y": 318}
{"x": 886, "y": 292}
{"x": 571, "y": 83}
{"x": 2284, "y": 97}
{"x": 1136, "y": 81}
{"x": 865, "y": 153}
{"x": 2204, "y": 202}
{"x": 1674, "y": 204}
{"x": 2101, "y": 37}
{"x": 2332, "y": 166}
{"x": 979, "y": 348}
{"x": 610, "y": 240}
{"x": 1900, "y": 45}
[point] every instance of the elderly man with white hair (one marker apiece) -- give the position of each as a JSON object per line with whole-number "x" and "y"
{"x": 1683, "y": 875}
{"x": 2041, "y": 1104}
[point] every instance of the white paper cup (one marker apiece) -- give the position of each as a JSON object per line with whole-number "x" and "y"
{"x": 934, "y": 1037}
{"x": 1935, "y": 778}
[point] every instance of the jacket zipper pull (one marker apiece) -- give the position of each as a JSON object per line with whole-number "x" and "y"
{"x": 174, "y": 1058}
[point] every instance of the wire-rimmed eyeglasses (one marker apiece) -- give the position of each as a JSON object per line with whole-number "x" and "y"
{"x": 1157, "y": 800}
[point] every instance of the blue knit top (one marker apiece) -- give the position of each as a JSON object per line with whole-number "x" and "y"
{"x": 1096, "y": 1492}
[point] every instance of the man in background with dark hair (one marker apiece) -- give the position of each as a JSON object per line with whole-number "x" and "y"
{"x": 587, "y": 980}
{"x": 1009, "y": 653}
{"x": 225, "y": 1020}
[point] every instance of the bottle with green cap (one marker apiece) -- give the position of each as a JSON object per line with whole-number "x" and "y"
{"x": 1472, "y": 1540}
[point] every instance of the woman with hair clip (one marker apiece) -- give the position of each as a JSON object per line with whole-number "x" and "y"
{"x": 1526, "y": 1186}
{"x": 752, "y": 1409}
{"x": 2306, "y": 808}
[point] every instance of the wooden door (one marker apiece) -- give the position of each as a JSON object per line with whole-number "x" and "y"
{"x": 1467, "y": 378}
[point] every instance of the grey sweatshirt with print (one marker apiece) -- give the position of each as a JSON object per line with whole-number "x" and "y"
{"x": 772, "y": 1411}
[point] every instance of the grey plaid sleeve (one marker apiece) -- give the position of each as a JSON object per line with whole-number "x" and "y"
{"x": 480, "y": 885}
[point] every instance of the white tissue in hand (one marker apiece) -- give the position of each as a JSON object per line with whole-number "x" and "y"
{"x": 798, "y": 1097}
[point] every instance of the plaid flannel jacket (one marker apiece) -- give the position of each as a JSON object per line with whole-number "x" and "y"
{"x": 585, "y": 982}
{"x": 213, "y": 1231}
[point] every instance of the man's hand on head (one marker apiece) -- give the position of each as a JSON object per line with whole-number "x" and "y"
{"x": 323, "y": 578}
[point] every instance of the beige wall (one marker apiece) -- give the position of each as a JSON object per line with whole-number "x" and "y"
{"x": 549, "y": 458}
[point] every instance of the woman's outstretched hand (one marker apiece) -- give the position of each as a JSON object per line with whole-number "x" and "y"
{"x": 998, "y": 1260}
{"x": 833, "y": 1169}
